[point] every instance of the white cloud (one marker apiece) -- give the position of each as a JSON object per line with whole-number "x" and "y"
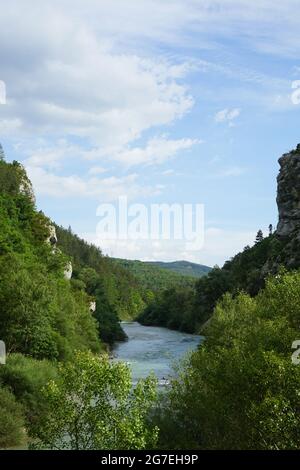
{"x": 227, "y": 115}
{"x": 97, "y": 170}
{"x": 102, "y": 189}
{"x": 75, "y": 82}
{"x": 157, "y": 150}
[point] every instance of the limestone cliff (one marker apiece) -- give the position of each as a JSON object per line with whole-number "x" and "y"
{"x": 288, "y": 202}
{"x": 68, "y": 271}
{"x": 288, "y": 194}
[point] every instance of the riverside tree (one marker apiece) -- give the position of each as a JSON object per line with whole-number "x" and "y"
{"x": 92, "y": 405}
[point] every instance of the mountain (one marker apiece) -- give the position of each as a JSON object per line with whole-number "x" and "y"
{"x": 185, "y": 268}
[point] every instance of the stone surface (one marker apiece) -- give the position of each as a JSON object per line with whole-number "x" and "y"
{"x": 26, "y": 187}
{"x": 288, "y": 194}
{"x": 52, "y": 238}
{"x": 68, "y": 271}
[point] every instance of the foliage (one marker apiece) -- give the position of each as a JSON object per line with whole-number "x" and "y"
{"x": 92, "y": 406}
{"x": 171, "y": 308}
{"x": 240, "y": 390}
{"x": 41, "y": 314}
{"x": 25, "y": 377}
{"x": 152, "y": 277}
{"x": 119, "y": 288}
{"x": 184, "y": 268}
{"x": 243, "y": 272}
{"x": 11, "y": 420}
{"x": 105, "y": 314}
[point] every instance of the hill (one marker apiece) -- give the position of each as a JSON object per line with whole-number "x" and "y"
{"x": 185, "y": 268}
{"x": 153, "y": 278}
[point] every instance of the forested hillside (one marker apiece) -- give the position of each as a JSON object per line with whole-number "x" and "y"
{"x": 118, "y": 294}
{"x": 185, "y": 268}
{"x": 42, "y": 313}
{"x": 151, "y": 277}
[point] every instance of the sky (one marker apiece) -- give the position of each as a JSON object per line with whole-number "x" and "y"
{"x": 164, "y": 102}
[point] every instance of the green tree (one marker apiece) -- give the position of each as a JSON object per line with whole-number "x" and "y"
{"x": 92, "y": 405}
{"x": 259, "y": 236}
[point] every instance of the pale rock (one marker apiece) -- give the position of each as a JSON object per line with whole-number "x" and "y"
{"x": 52, "y": 238}
{"x": 68, "y": 271}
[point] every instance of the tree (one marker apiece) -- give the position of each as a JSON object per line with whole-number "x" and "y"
{"x": 270, "y": 229}
{"x": 259, "y": 237}
{"x": 92, "y": 405}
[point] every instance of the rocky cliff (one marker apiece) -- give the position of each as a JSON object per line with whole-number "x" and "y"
{"x": 288, "y": 202}
{"x": 288, "y": 194}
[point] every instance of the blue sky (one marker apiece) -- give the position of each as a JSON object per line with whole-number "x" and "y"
{"x": 163, "y": 101}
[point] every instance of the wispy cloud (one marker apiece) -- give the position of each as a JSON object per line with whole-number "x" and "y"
{"x": 227, "y": 115}
{"x": 233, "y": 171}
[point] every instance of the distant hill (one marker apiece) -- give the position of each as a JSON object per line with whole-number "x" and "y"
{"x": 151, "y": 276}
{"x": 185, "y": 268}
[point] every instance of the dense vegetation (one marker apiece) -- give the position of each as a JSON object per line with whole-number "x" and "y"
{"x": 151, "y": 278}
{"x": 188, "y": 310}
{"x": 185, "y": 268}
{"x": 240, "y": 390}
{"x": 42, "y": 314}
{"x": 107, "y": 414}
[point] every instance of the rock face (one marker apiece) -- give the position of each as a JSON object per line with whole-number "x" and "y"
{"x": 288, "y": 194}
{"x": 26, "y": 189}
{"x": 52, "y": 238}
{"x": 2, "y": 352}
{"x": 25, "y": 186}
{"x": 68, "y": 271}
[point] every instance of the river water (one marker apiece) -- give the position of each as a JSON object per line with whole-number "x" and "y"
{"x": 151, "y": 348}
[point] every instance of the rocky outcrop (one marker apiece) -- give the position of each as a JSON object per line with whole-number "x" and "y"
{"x": 68, "y": 271}
{"x": 25, "y": 186}
{"x": 2, "y": 352}
{"x": 52, "y": 238}
{"x": 288, "y": 194}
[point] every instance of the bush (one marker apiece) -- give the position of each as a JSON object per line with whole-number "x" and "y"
{"x": 11, "y": 420}
{"x": 91, "y": 405}
{"x": 25, "y": 377}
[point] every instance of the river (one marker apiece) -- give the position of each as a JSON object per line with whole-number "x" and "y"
{"x": 151, "y": 348}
